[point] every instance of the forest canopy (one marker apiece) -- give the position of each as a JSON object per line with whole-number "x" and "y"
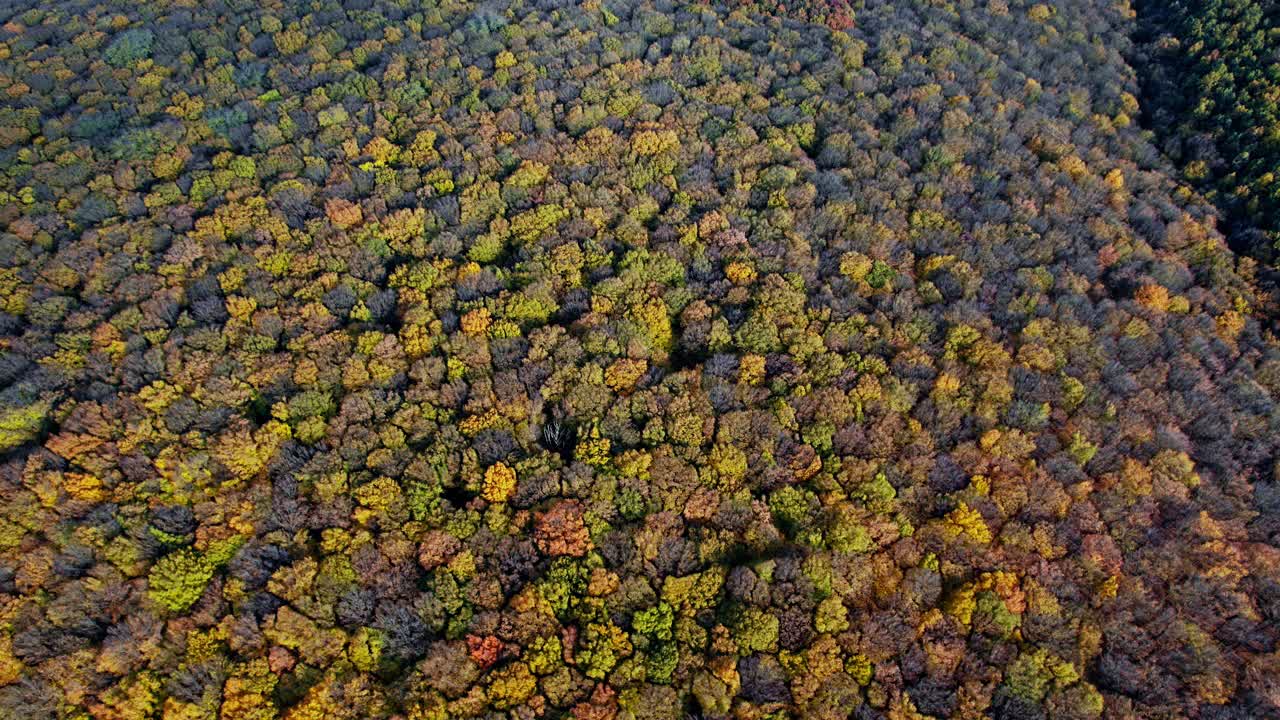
{"x": 1213, "y": 77}
{"x": 623, "y": 360}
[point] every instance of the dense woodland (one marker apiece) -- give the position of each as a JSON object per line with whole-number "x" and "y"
{"x": 1212, "y": 74}
{"x": 430, "y": 360}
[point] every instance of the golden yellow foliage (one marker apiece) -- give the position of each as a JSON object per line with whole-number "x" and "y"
{"x": 1155, "y": 297}
{"x": 499, "y": 483}
{"x": 647, "y": 143}
{"x": 740, "y": 273}
{"x": 623, "y": 374}
{"x": 476, "y": 322}
{"x": 751, "y": 369}
{"x": 964, "y": 521}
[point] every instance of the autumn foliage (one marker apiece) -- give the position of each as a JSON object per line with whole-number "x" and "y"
{"x": 620, "y": 361}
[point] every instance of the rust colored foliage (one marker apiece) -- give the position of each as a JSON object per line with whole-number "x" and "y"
{"x": 561, "y": 531}
{"x": 484, "y": 651}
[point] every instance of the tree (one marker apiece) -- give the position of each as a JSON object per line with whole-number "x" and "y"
{"x": 179, "y": 579}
